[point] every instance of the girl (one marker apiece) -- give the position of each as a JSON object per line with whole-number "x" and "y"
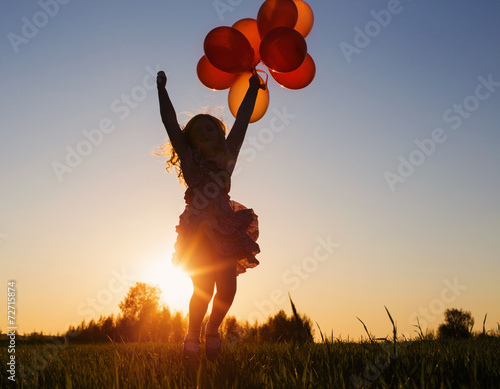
{"x": 216, "y": 237}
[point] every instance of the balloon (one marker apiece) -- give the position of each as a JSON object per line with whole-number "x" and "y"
{"x": 276, "y": 13}
{"x": 228, "y": 50}
{"x": 305, "y": 19}
{"x": 298, "y": 78}
{"x": 212, "y": 77}
{"x": 283, "y": 49}
{"x": 238, "y": 91}
{"x": 249, "y": 28}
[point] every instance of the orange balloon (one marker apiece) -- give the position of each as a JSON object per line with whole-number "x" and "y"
{"x": 276, "y": 13}
{"x": 238, "y": 91}
{"x": 298, "y": 78}
{"x": 283, "y": 49}
{"x": 212, "y": 77}
{"x": 228, "y": 50}
{"x": 249, "y": 28}
{"x": 305, "y": 19}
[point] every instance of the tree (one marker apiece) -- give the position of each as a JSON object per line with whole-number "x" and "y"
{"x": 140, "y": 310}
{"x": 458, "y": 324}
{"x": 179, "y": 327}
{"x": 141, "y": 302}
{"x": 231, "y": 327}
{"x": 164, "y": 324}
{"x": 280, "y": 328}
{"x": 106, "y": 327}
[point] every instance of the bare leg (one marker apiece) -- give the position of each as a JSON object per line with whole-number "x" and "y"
{"x": 225, "y": 279}
{"x": 200, "y": 257}
{"x": 203, "y": 286}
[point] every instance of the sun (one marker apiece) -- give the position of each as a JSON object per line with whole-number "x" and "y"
{"x": 175, "y": 285}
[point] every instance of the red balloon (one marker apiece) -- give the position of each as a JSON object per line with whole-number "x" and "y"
{"x": 249, "y": 28}
{"x": 305, "y": 20}
{"x": 276, "y": 13}
{"x": 298, "y": 78}
{"x": 283, "y": 49}
{"x": 228, "y": 50}
{"x": 212, "y": 77}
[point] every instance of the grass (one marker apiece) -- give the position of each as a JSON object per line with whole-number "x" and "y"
{"x": 473, "y": 363}
{"x": 389, "y": 362}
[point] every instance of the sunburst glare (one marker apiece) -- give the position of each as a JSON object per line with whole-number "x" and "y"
{"x": 175, "y": 285}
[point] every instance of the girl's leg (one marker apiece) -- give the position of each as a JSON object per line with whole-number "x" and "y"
{"x": 203, "y": 290}
{"x": 225, "y": 279}
{"x": 201, "y": 272}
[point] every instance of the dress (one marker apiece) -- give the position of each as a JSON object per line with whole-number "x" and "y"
{"x": 230, "y": 228}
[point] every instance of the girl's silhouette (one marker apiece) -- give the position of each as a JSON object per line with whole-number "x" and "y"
{"x": 216, "y": 238}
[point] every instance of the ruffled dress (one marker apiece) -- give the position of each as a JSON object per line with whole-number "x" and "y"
{"x": 230, "y": 228}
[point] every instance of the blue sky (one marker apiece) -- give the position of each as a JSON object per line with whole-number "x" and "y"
{"x": 415, "y": 228}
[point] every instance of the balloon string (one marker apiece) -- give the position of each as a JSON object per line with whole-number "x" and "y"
{"x": 262, "y": 71}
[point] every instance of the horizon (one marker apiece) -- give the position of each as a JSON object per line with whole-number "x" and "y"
{"x": 317, "y": 333}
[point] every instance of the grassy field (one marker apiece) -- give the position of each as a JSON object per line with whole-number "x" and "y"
{"x": 473, "y": 363}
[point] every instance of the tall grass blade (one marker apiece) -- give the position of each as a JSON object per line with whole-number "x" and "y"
{"x": 366, "y": 329}
{"x": 321, "y": 333}
{"x": 298, "y": 320}
{"x": 420, "y": 333}
{"x": 394, "y": 328}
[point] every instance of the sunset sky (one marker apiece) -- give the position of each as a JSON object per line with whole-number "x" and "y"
{"x": 377, "y": 185}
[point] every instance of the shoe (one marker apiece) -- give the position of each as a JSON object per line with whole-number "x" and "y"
{"x": 191, "y": 349}
{"x": 214, "y": 347}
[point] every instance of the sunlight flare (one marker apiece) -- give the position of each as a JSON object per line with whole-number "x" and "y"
{"x": 175, "y": 285}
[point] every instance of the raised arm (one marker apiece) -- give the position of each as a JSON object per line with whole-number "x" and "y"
{"x": 239, "y": 129}
{"x": 168, "y": 114}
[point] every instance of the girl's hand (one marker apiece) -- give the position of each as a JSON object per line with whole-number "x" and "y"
{"x": 254, "y": 82}
{"x": 161, "y": 79}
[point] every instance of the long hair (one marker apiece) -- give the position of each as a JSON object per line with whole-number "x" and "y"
{"x": 167, "y": 150}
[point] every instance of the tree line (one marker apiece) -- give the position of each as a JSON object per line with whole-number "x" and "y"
{"x": 143, "y": 318}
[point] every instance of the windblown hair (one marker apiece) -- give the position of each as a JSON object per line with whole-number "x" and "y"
{"x": 167, "y": 150}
